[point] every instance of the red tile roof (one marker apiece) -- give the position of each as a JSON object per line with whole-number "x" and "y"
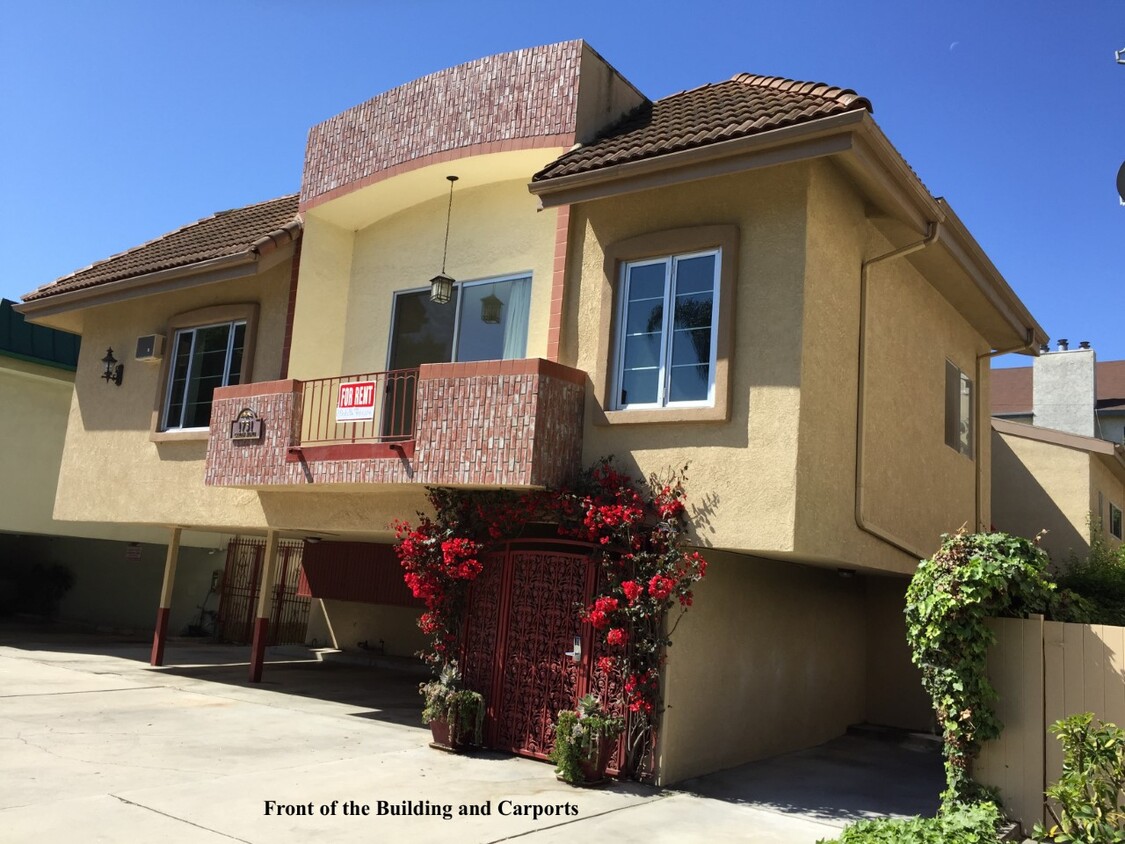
{"x": 745, "y": 105}
{"x": 1012, "y": 388}
{"x": 255, "y": 228}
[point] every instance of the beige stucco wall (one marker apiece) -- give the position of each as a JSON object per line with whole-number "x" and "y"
{"x": 323, "y": 282}
{"x": 778, "y": 477}
{"x": 35, "y": 402}
{"x": 1112, "y": 488}
{"x": 344, "y": 624}
{"x": 112, "y": 470}
{"x": 915, "y": 486}
{"x": 895, "y": 697}
{"x": 347, "y": 281}
{"x": 772, "y": 644}
{"x": 741, "y": 470}
{"x": 1040, "y": 486}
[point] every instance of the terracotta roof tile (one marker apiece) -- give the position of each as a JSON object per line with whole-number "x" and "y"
{"x": 1012, "y": 388}
{"x": 240, "y": 230}
{"x": 742, "y": 106}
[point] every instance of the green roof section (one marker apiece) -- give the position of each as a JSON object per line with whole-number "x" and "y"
{"x": 36, "y": 343}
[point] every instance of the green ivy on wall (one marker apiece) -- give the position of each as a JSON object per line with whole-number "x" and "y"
{"x": 972, "y": 577}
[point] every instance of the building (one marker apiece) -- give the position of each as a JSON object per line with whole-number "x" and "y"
{"x": 114, "y": 566}
{"x": 1058, "y": 459}
{"x": 745, "y": 276}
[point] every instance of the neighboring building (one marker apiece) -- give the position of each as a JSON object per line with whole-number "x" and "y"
{"x": 111, "y": 561}
{"x": 1058, "y": 461}
{"x": 1068, "y": 390}
{"x": 744, "y": 276}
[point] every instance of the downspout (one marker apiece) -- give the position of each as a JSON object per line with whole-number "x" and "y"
{"x": 978, "y": 436}
{"x": 861, "y": 396}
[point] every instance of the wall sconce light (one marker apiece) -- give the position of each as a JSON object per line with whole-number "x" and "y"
{"x": 114, "y": 371}
{"x": 490, "y": 307}
{"x": 441, "y": 285}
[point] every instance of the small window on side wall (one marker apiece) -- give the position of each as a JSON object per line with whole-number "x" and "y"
{"x": 958, "y": 410}
{"x": 1115, "y": 520}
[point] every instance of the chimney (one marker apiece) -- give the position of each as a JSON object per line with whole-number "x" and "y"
{"x": 1064, "y": 344}
{"x": 1064, "y": 390}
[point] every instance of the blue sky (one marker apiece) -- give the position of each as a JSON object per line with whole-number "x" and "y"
{"x": 121, "y": 120}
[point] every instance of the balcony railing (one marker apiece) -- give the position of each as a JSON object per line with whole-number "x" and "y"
{"x": 381, "y": 403}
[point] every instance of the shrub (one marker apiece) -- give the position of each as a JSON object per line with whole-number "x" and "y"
{"x": 965, "y": 823}
{"x": 579, "y": 735}
{"x": 1099, "y": 581}
{"x": 1088, "y": 793}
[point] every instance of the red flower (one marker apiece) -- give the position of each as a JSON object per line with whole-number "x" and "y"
{"x": 605, "y": 664}
{"x": 599, "y": 619}
{"x": 616, "y": 636}
{"x": 660, "y": 587}
{"x": 606, "y": 605}
{"x": 632, "y": 590}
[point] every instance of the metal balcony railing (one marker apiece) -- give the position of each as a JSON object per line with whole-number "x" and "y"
{"x": 380, "y": 406}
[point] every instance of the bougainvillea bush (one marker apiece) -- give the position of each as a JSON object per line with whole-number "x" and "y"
{"x": 638, "y": 535}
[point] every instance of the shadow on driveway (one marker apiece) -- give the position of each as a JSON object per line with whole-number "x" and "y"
{"x": 849, "y": 778}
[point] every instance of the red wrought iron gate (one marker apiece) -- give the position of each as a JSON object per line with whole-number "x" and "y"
{"x": 238, "y": 596}
{"x": 520, "y": 636}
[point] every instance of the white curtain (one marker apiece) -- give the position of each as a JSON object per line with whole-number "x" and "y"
{"x": 515, "y": 319}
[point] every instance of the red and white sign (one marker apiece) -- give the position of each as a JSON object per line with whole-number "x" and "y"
{"x": 356, "y": 402}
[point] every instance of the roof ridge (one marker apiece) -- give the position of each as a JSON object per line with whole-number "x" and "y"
{"x": 822, "y": 90}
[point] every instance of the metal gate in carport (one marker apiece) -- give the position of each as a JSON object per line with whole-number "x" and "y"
{"x": 521, "y": 628}
{"x": 238, "y": 594}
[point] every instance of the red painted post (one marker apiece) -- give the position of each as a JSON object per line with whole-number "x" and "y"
{"x": 164, "y": 608}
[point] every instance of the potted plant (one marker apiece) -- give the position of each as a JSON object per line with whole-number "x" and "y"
{"x": 584, "y": 741}
{"x": 455, "y": 714}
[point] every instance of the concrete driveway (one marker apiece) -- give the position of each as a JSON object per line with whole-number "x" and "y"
{"x": 96, "y": 746}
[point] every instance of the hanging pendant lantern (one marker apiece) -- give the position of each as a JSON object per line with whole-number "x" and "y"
{"x": 441, "y": 285}
{"x": 490, "y": 307}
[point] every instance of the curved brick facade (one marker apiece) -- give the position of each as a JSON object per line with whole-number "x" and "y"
{"x": 518, "y": 100}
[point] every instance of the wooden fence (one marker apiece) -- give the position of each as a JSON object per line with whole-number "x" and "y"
{"x": 1044, "y": 671}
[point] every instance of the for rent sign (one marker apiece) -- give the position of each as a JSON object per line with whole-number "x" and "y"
{"x": 356, "y": 402}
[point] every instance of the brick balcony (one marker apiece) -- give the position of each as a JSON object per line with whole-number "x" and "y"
{"x": 515, "y": 423}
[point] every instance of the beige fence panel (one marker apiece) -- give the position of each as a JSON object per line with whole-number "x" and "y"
{"x": 1013, "y": 763}
{"x": 1043, "y": 672}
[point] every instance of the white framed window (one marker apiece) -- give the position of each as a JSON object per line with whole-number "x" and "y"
{"x": 1115, "y": 520}
{"x": 666, "y": 337}
{"x": 202, "y": 358}
{"x": 958, "y": 410}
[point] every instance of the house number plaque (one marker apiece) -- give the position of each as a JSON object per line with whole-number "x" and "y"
{"x": 248, "y": 426}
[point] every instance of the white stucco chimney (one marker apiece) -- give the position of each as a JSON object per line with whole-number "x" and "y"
{"x": 1064, "y": 390}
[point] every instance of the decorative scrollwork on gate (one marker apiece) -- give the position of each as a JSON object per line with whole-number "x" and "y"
{"x": 539, "y": 678}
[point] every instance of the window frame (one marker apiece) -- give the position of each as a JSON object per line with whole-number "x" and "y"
{"x": 1115, "y": 510}
{"x": 655, "y": 246}
{"x": 529, "y": 275}
{"x": 246, "y": 313}
{"x": 667, "y": 331}
{"x": 955, "y": 379}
